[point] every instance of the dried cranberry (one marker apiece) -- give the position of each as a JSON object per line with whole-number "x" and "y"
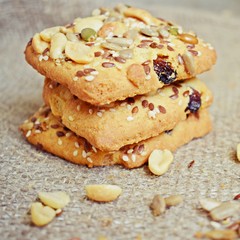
{"x": 194, "y": 101}
{"x": 164, "y": 71}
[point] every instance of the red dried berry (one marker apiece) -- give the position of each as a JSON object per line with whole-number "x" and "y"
{"x": 194, "y": 101}
{"x": 164, "y": 71}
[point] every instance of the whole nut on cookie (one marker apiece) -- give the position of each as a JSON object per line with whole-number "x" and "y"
{"x": 114, "y": 28}
{"x": 41, "y": 215}
{"x": 47, "y": 33}
{"x": 58, "y": 43}
{"x": 78, "y": 52}
{"x": 103, "y": 193}
{"x": 89, "y": 22}
{"x": 54, "y": 199}
{"x": 140, "y": 14}
{"x": 38, "y": 44}
{"x": 72, "y": 37}
{"x": 189, "y": 64}
{"x": 159, "y": 161}
{"x": 188, "y": 38}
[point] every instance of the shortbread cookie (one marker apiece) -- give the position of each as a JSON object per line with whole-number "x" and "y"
{"x": 48, "y": 133}
{"x": 116, "y": 54}
{"x": 110, "y": 127}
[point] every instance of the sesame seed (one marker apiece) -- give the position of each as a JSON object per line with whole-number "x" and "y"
{"x": 94, "y": 149}
{"x": 70, "y": 118}
{"x": 45, "y": 58}
{"x": 76, "y": 144}
{"x": 89, "y": 78}
{"x": 99, "y": 114}
{"x": 130, "y": 118}
{"x": 148, "y": 77}
{"x": 118, "y": 66}
{"x": 86, "y": 66}
{"x": 50, "y": 86}
{"x": 75, "y": 78}
{"x": 90, "y": 111}
{"x": 84, "y": 154}
{"x": 144, "y": 153}
{"x": 125, "y": 158}
{"x": 75, "y": 153}
{"x": 28, "y": 133}
{"x": 133, "y": 157}
{"x": 68, "y": 134}
{"x": 60, "y": 142}
{"x": 128, "y": 106}
{"x": 78, "y": 107}
{"x": 112, "y": 110}
{"x": 89, "y": 159}
{"x": 180, "y": 102}
{"x": 129, "y": 150}
{"x": 40, "y": 58}
{"x": 151, "y": 114}
{"x": 37, "y": 131}
{"x": 94, "y": 73}
{"x": 180, "y": 59}
{"x": 89, "y": 154}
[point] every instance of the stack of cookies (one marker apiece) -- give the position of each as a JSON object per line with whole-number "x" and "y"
{"x": 118, "y": 85}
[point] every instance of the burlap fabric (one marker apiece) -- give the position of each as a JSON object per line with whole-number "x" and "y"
{"x": 25, "y": 171}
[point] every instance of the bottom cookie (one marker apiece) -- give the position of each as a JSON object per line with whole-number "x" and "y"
{"x": 48, "y": 133}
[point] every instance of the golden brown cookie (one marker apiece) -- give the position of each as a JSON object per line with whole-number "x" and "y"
{"x": 46, "y": 132}
{"x": 110, "y": 127}
{"x": 116, "y": 54}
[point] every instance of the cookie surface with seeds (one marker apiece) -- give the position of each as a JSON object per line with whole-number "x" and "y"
{"x": 115, "y": 125}
{"x": 118, "y": 53}
{"x": 77, "y": 150}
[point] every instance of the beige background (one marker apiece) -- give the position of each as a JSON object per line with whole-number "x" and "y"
{"x": 24, "y": 171}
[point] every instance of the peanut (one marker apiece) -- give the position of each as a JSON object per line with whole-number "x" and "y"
{"x": 38, "y": 44}
{"x": 54, "y": 199}
{"x": 41, "y": 215}
{"x": 208, "y": 203}
{"x": 141, "y": 15}
{"x": 58, "y": 43}
{"x": 158, "y": 205}
{"x": 159, "y": 161}
{"x": 103, "y": 193}
{"x": 78, "y": 52}
{"x": 173, "y": 200}
{"x": 47, "y": 33}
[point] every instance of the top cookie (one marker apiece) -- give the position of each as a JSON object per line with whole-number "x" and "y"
{"x": 118, "y": 53}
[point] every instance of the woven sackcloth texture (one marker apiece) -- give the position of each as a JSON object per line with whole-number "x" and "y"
{"x": 25, "y": 171}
